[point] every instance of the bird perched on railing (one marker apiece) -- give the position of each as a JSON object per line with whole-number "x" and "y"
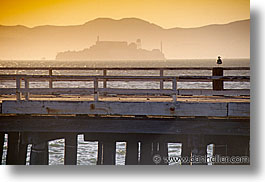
{"x": 219, "y": 60}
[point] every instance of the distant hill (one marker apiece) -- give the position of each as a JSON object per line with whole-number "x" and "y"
{"x": 230, "y": 40}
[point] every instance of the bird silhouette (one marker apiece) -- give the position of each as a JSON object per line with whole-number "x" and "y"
{"x": 219, "y": 60}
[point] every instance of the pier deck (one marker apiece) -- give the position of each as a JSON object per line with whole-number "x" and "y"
{"x": 153, "y": 117}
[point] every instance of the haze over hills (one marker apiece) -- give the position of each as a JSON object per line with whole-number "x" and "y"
{"x": 229, "y": 40}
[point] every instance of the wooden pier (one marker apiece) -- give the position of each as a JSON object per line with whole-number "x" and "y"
{"x": 146, "y": 119}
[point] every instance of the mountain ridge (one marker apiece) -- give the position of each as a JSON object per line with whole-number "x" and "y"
{"x": 122, "y": 19}
{"x": 229, "y": 40}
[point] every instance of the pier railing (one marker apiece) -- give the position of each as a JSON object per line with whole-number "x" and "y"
{"x": 216, "y": 78}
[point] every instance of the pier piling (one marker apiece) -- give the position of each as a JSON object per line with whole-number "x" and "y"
{"x": 70, "y": 151}
{"x": 131, "y": 157}
{"x": 12, "y": 148}
{"x": 39, "y": 154}
{"x": 2, "y": 140}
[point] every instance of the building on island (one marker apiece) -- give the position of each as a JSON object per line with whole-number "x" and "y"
{"x": 113, "y": 50}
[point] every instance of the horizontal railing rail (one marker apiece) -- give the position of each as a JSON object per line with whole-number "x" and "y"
{"x": 122, "y": 68}
{"x": 130, "y": 78}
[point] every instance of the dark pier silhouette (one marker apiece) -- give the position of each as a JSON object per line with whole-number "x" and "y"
{"x": 146, "y": 119}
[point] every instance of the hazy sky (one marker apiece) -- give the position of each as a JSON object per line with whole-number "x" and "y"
{"x": 166, "y": 13}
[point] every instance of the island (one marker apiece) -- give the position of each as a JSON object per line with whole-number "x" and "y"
{"x": 113, "y": 50}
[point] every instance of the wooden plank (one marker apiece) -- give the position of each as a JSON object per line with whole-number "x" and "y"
{"x": 120, "y": 68}
{"x": 210, "y": 92}
{"x": 118, "y": 108}
{"x": 125, "y": 125}
{"x": 211, "y": 78}
{"x": 99, "y": 77}
{"x": 7, "y": 91}
{"x": 129, "y": 78}
{"x": 53, "y": 91}
{"x": 242, "y": 109}
{"x": 206, "y": 92}
{"x": 69, "y": 91}
{"x": 43, "y": 91}
{"x": 137, "y": 91}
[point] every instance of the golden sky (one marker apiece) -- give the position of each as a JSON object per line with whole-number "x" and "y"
{"x": 166, "y": 13}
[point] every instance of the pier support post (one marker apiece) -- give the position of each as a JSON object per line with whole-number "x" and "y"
{"x": 23, "y": 148}
{"x": 185, "y": 150}
{"x": 100, "y": 153}
{"x": 22, "y": 155}
{"x": 12, "y": 148}
{"x": 16, "y": 150}
{"x": 39, "y": 154}
{"x": 146, "y": 154}
{"x": 219, "y": 150}
{"x": 160, "y": 148}
{"x": 131, "y": 157}
{"x": 218, "y": 84}
{"x": 198, "y": 149}
{"x": 2, "y": 139}
{"x": 219, "y": 147}
{"x": 70, "y": 151}
{"x": 163, "y": 151}
{"x": 109, "y": 152}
